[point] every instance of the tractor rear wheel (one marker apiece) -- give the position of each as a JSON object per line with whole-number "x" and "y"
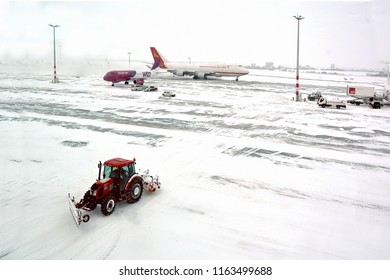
{"x": 135, "y": 191}
{"x": 108, "y": 205}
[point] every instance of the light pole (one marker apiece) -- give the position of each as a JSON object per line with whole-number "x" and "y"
{"x": 297, "y": 95}
{"x": 55, "y": 80}
{"x": 129, "y": 53}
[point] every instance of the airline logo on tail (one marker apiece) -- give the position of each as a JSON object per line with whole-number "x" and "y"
{"x": 156, "y": 64}
{"x": 158, "y": 59}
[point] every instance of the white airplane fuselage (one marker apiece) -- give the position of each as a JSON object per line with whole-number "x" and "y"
{"x": 198, "y": 70}
{"x": 204, "y": 70}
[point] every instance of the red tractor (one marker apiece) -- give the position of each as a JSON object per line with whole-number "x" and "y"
{"x": 118, "y": 181}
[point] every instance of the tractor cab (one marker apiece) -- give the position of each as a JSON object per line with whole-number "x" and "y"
{"x": 120, "y": 170}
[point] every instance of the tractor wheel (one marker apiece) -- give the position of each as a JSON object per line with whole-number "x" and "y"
{"x": 135, "y": 191}
{"x": 89, "y": 200}
{"x": 85, "y": 218}
{"x": 108, "y": 205}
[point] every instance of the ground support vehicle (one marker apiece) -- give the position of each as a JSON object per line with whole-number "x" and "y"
{"x": 168, "y": 93}
{"x": 323, "y": 102}
{"x": 118, "y": 181}
{"x": 145, "y": 88}
{"x": 150, "y": 88}
{"x": 314, "y": 96}
{"x": 367, "y": 95}
{"x": 137, "y": 87}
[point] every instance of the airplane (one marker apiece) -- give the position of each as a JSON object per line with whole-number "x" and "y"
{"x": 198, "y": 71}
{"x": 126, "y": 75}
{"x": 117, "y": 76}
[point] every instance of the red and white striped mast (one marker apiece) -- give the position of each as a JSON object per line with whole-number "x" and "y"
{"x": 297, "y": 95}
{"x": 55, "y": 80}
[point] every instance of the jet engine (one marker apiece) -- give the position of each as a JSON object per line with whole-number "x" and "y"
{"x": 200, "y": 75}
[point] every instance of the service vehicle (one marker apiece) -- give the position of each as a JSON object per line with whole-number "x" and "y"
{"x": 324, "y": 102}
{"x": 137, "y": 87}
{"x": 168, "y": 93}
{"x": 367, "y": 95}
{"x": 314, "y": 95}
{"x": 150, "y": 88}
{"x": 117, "y": 181}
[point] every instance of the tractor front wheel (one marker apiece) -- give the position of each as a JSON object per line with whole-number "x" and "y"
{"x": 108, "y": 205}
{"x": 89, "y": 201}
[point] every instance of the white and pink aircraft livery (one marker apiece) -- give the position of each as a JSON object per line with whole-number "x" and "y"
{"x": 138, "y": 77}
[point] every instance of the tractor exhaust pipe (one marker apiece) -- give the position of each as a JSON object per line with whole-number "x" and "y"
{"x": 100, "y": 169}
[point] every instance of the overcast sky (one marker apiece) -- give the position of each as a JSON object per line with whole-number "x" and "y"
{"x": 347, "y": 33}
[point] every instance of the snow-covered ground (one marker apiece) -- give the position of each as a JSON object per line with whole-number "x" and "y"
{"x": 246, "y": 173}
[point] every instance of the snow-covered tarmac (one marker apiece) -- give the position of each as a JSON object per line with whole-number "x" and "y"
{"x": 246, "y": 173}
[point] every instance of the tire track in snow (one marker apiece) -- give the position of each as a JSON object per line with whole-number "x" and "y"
{"x": 107, "y": 250}
{"x": 300, "y": 194}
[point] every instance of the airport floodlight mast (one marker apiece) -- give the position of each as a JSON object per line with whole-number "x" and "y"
{"x": 129, "y": 53}
{"x": 55, "y": 79}
{"x": 297, "y": 94}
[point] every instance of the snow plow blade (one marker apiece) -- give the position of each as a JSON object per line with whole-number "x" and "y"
{"x": 76, "y": 213}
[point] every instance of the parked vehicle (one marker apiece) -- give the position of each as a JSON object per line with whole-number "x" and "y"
{"x": 324, "y": 102}
{"x": 136, "y": 87}
{"x": 150, "y": 88}
{"x": 168, "y": 93}
{"x": 314, "y": 96}
{"x": 367, "y": 95}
